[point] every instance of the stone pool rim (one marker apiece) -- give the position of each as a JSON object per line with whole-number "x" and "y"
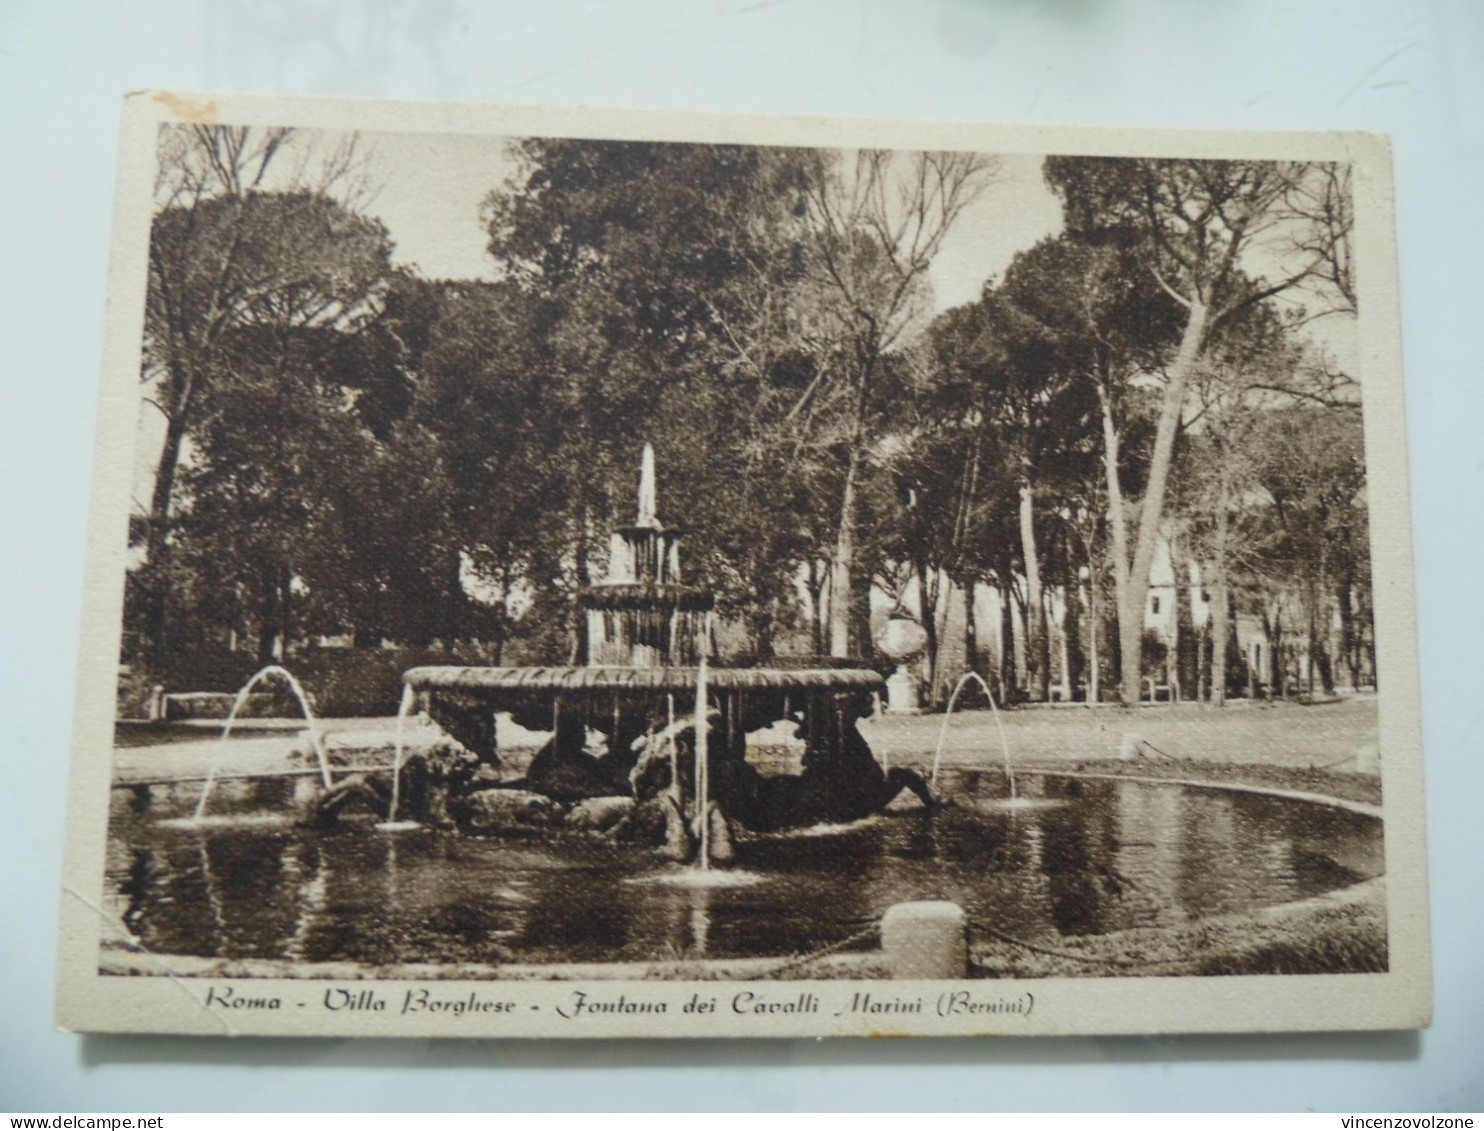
{"x": 1360, "y": 808}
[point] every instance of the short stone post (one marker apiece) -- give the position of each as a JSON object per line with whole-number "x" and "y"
{"x": 156, "y": 708}
{"x": 928, "y": 939}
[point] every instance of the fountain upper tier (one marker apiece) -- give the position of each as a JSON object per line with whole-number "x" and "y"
{"x": 640, "y": 615}
{"x": 646, "y": 636}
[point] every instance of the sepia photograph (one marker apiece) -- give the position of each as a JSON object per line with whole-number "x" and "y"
{"x": 590, "y": 574}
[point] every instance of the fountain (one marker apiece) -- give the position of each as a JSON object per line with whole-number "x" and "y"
{"x": 1095, "y": 858}
{"x": 237, "y": 704}
{"x": 649, "y": 639}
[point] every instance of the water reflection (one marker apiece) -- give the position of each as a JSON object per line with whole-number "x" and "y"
{"x": 1086, "y": 858}
{"x": 700, "y": 920}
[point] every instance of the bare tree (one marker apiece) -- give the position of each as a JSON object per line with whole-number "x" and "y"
{"x": 1322, "y": 208}
{"x": 1201, "y": 229}
{"x": 878, "y": 221}
{"x": 245, "y": 238}
{"x": 1241, "y": 378}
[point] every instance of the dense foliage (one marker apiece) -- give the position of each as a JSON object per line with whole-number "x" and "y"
{"x": 354, "y": 454}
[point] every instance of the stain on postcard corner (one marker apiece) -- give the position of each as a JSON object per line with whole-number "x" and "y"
{"x": 186, "y": 109}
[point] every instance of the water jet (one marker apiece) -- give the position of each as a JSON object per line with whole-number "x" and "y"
{"x": 237, "y": 704}
{"x": 999, "y": 726}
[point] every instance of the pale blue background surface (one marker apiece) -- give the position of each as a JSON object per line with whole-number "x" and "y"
{"x": 1414, "y": 70}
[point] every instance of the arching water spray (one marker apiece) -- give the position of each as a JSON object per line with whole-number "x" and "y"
{"x": 391, "y": 824}
{"x": 994, "y": 710}
{"x": 703, "y": 734}
{"x": 237, "y": 705}
{"x": 675, "y": 791}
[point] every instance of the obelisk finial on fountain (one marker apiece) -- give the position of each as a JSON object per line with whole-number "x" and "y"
{"x": 647, "y": 515}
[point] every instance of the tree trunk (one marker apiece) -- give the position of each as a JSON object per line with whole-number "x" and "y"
{"x": 1068, "y": 623}
{"x": 1118, "y": 528}
{"x": 1038, "y": 645}
{"x": 861, "y": 584}
{"x": 760, "y": 629}
{"x": 1130, "y": 650}
{"x": 1310, "y": 646}
{"x": 1007, "y": 643}
{"x": 157, "y": 535}
{"x": 841, "y": 591}
{"x": 160, "y": 499}
{"x": 1126, "y": 650}
{"x": 584, "y": 579}
{"x": 285, "y": 610}
{"x": 1094, "y": 676}
{"x": 1203, "y": 663}
{"x": 1117, "y": 517}
{"x": 1220, "y": 606}
{"x": 269, "y": 620}
{"x": 1348, "y": 647}
{"x": 1186, "y": 652}
{"x": 928, "y": 613}
{"x": 1131, "y": 604}
{"x": 1073, "y": 658}
{"x": 971, "y": 629}
{"x": 818, "y": 581}
{"x": 1021, "y": 633}
{"x": 502, "y": 612}
{"x": 1276, "y": 672}
{"x": 1319, "y": 657}
{"x": 1220, "y": 603}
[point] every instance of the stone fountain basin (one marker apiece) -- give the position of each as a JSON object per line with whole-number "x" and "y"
{"x": 497, "y": 683}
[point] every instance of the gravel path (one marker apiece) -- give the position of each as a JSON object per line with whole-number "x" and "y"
{"x": 1279, "y": 734}
{"x": 1284, "y": 735}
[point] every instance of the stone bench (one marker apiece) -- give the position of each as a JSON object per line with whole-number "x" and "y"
{"x": 213, "y": 705}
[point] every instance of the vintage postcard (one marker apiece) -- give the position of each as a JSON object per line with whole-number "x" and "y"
{"x": 566, "y": 573}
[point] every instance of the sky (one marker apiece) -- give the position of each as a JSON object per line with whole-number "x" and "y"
{"x": 429, "y": 188}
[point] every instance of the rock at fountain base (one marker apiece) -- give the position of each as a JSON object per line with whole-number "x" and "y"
{"x": 496, "y": 810}
{"x": 600, "y": 814}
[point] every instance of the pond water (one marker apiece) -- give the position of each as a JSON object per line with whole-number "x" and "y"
{"x": 1089, "y": 857}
